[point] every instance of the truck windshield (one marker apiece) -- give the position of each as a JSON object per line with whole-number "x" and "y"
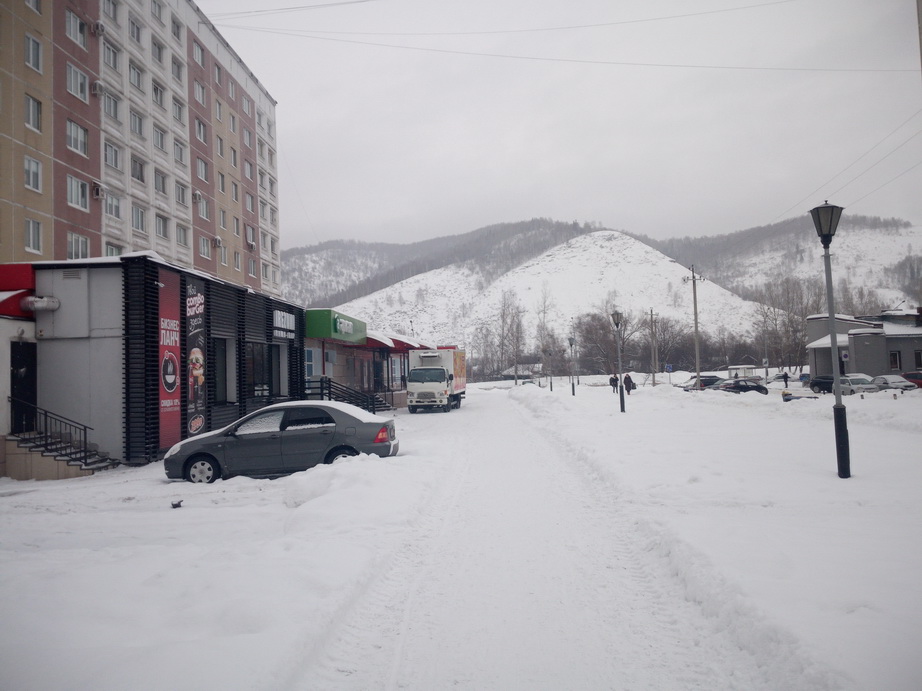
{"x": 421, "y": 375}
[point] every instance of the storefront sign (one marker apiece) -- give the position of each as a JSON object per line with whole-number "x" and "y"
{"x": 324, "y": 323}
{"x": 195, "y": 354}
{"x": 170, "y": 392}
{"x": 283, "y": 324}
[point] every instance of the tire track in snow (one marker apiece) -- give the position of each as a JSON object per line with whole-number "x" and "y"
{"x": 528, "y": 571}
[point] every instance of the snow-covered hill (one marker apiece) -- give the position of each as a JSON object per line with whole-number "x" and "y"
{"x": 579, "y": 276}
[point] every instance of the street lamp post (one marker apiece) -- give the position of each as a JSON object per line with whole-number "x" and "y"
{"x": 616, "y": 320}
{"x": 826, "y": 219}
{"x": 572, "y": 380}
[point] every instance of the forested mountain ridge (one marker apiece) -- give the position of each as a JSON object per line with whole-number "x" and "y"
{"x": 338, "y": 271}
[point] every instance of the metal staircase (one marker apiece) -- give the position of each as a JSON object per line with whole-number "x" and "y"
{"x": 55, "y": 436}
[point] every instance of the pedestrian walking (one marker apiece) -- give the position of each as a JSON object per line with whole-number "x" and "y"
{"x": 628, "y": 383}
{"x": 613, "y": 383}
{"x": 784, "y": 377}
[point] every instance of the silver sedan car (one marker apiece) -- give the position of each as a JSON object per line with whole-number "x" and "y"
{"x": 893, "y": 381}
{"x": 281, "y": 439}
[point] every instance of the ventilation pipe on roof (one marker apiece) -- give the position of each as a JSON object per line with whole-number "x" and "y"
{"x": 34, "y": 303}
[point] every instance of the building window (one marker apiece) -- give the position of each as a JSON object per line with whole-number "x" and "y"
{"x": 200, "y": 92}
{"x": 160, "y": 181}
{"x": 157, "y": 94}
{"x": 33, "y": 235}
{"x": 247, "y": 137}
{"x": 232, "y": 90}
{"x": 203, "y": 210}
{"x": 182, "y": 236}
{"x": 201, "y": 169}
{"x": 78, "y": 193}
{"x": 248, "y": 169}
{"x": 236, "y": 226}
{"x": 217, "y": 110}
{"x": 113, "y": 250}
{"x": 235, "y": 194}
{"x": 137, "y": 123}
{"x": 75, "y": 28}
{"x": 222, "y": 218}
{"x": 176, "y": 29}
{"x": 77, "y": 138}
{"x": 179, "y": 152}
{"x": 198, "y": 53}
{"x": 33, "y": 113}
{"x": 112, "y": 155}
{"x": 896, "y": 361}
{"x": 111, "y": 55}
{"x": 181, "y": 192}
{"x": 233, "y": 123}
{"x": 77, "y": 83}
{"x": 177, "y": 68}
{"x": 33, "y": 53}
{"x": 221, "y": 183}
{"x": 113, "y": 206}
{"x": 236, "y": 261}
{"x": 137, "y": 169}
{"x": 134, "y": 30}
{"x": 250, "y": 203}
{"x": 204, "y": 247}
{"x": 218, "y": 74}
{"x": 201, "y": 131}
{"x": 157, "y": 50}
{"x": 110, "y": 105}
{"x": 162, "y": 224}
{"x": 222, "y": 253}
{"x": 136, "y": 76}
{"x": 159, "y": 138}
{"x": 265, "y": 271}
{"x": 139, "y": 218}
{"x": 156, "y": 9}
{"x": 250, "y": 235}
{"x": 246, "y": 105}
{"x": 33, "y": 170}
{"x": 34, "y": 5}
{"x": 78, "y": 246}
{"x": 251, "y": 267}
{"x": 110, "y": 8}
{"x": 179, "y": 111}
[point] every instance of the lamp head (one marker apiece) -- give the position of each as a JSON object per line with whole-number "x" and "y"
{"x": 616, "y": 318}
{"x": 826, "y": 220}
{"x": 572, "y": 341}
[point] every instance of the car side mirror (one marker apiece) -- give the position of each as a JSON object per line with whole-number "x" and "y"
{"x": 451, "y": 377}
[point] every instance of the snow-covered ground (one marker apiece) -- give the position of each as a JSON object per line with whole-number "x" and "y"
{"x": 530, "y": 540}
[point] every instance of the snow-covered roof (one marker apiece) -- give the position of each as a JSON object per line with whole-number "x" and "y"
{"x": 841, "y": 342}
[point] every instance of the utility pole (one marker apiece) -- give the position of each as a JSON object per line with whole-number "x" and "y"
{"x": 694, "y": 281}
{"x": 654, "y": 356}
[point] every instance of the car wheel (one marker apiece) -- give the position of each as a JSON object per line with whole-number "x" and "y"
{"x": 336, "y": 454}
{"x": 815, "y": 389}
{"x": 412, "y": 409}
{"x": 202, "y": 469}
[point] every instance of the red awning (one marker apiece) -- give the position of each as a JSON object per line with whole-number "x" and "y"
{"x": 10, "y": 304}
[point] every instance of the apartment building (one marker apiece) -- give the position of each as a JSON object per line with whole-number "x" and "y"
{"x": 132, "y": 125}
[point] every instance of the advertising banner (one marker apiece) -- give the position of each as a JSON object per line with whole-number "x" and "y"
{"x": 170, "y": 372}
{"x": 195, "y": 354}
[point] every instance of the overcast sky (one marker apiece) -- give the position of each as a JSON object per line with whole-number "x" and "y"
{"x": 400, "y": 120}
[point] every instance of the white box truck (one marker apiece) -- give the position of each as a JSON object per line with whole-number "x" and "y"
{"x": 437, "y": 379}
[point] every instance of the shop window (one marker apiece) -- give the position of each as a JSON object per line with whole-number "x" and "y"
{"x": 918, "y": 359}
{"x": 896, "y": 360}
{"x": 262, "y": 370}
{"x": 225, "y": 374}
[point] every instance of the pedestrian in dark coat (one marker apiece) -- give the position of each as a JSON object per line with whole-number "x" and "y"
{"x": 613, "y": 383}
{"x": 784, "y": 376}
{"x": 628, "y": 383}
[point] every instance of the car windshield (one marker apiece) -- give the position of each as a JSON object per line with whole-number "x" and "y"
{"x": 860, "y": 380}
{"x": 423, "y": 375}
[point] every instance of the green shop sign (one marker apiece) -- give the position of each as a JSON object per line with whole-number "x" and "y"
{"x": 334, "y": 325}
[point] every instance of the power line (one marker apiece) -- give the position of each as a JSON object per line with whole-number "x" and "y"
{"x": 282, "y": 10}
{"x": 509, "y": 31}
{"x": 311, "y": 35}
{"x": 866, "y": 153}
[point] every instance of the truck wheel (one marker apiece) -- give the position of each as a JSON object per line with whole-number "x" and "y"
{"x": 412, "y": 409}
{"x": 447, "y": 408}
{"x": 458, "y": 403}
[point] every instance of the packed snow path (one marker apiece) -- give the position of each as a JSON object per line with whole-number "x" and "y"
{"x": 525, "y": 571}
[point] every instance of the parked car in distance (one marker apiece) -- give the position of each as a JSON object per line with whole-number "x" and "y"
{"x": 281, "y": 439}
{"x": 851, "y": 384}
{"x": 893, "y": 381}
{"x": 704, "y": 381}
{"x": 741, "y": 386}
{"x": 914, "y": 377}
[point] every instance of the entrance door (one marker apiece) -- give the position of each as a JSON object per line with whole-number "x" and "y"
{"x": 23, "y": 386}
